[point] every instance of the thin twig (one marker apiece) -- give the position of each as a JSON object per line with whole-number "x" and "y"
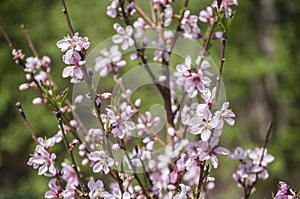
{"x": 206, "y": 42}
{"x": 145, "y": 172}
{"x": 222, "y": 60}
{"x": 152, "y": 11}
{"x": 267, "y": 138}
{"x": 201, "y": 178}
{"x": 144, "y": 15}
{"x": 70, "y": 151}
{"x": 65, "y": 11}
{"x": 22, "y": 113}
{"x": 134, "y": 173}
{"x": 31, "y": 46}
{"x": 6, "y": 37}
{"x": 166, "y": 73}
{"x": 145, "y": 64}
{"x": 247, "y": 192}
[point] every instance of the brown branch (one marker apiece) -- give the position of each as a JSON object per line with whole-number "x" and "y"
{"x": 70, "y": 151}
{"x": 144, "y": 15}
{"x": 6, "y": 37}
{"x": 31, "y": 46}
{"x": 166, "y": 72}
{"x": 247, "y": 192}
{"x": 206, "y": 42}
{"x": 203, "y": 174}
{"x": 65, "y": 11}
{"x": 134, "y": 173}
{"x": 220, "y": 70}
{"x": 152, "y": 11}
{"x": 21, "y": 111}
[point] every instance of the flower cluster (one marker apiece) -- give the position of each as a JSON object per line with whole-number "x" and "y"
{"x": 74, "y": 49}
{"x": 37, "y": 71}
{"x": 42, "y": 159}
{"x": 109, "y": 61}
{"x": 119, "y": 125}
{"x": 285, "y": 192}
{"x": 253, "y": 166}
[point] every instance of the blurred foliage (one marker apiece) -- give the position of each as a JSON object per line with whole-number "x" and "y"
{"x": 259, "y": 87}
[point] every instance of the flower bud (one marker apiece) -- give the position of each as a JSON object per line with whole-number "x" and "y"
{"x": 24, "y": 86}
{"x": 37, "y": 100}
{"x": 138, "y": 103}
{"x": 73, "y": 123}
{"x": 171, "y": 131}
{"x": 78, "y": 99}
{"x": 116, "y": 146}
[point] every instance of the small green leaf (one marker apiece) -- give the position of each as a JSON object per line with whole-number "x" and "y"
{"x": 231, "y": 18}
{"x": 63, "y": 97}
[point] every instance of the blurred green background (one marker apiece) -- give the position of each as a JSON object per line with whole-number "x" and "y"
{"x": 261, "y": 76}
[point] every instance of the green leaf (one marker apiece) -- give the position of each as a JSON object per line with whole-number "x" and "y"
{"x": 63, "y": 97}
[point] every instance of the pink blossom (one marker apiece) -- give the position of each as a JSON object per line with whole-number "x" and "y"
{"x": 72, "y": 48}
{"x": 77, "y": 43}
{"x": 206, "y": 151}
{"x": 146, "y": 123}
{"x": 222, "y": 115}
{"x": 140, "y": 25}
{"x": 252, "y": 167}
{"x": 69, "y": 174}
{"x": 178, "y": 167}
{"x": 124, "y": 36}
{"x": 206, "y": 15}
{"x": 202, "y": 122}
{"x": 69, "y": 192}
{"x": 119, "y": 125}
{"x": 111, "y": 10}
{"x": 284, "y": 192}
{"x": 32, "y": 64}
{"x": 97, "y": 190}
{"x": 109, "y": 61}
{"x": 239, "y": 154}
{"x": 183, "y": 193}
{"x": 259, "y": 156}
{"x": 55, "y": 190}
{"x": 41, "y": 76}
{"x": 18, "y": 55}
{"x": 192, "y": 82}
{"x": 191, "y": 176}
{"x": 101, "y": 161}
{"x": 43, "y": 161}
{"x": 74, "y": 71}
{"x": 190, "y": 27}
{"x": 226, "y": 5}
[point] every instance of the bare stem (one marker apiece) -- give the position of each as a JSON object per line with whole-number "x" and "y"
{"x": 134, "y": 173}
{"x": 152, "y": 11}
{"x": 202, "y": 175}
{"x": 222, "y": 60}
{"x": 247, "y": 192}
{"x": 164, "y": 90}
{"x": 31, "y": 46}
{"x": 22, "y": 113}
{"x": 69, "y": 150}
{"x": 65, "y": 11}
{"x": 206, "y": 42}
{"x": 146, "y": 173}
{"x": 6, "y": 37}
{"x": 143, "y": 14}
